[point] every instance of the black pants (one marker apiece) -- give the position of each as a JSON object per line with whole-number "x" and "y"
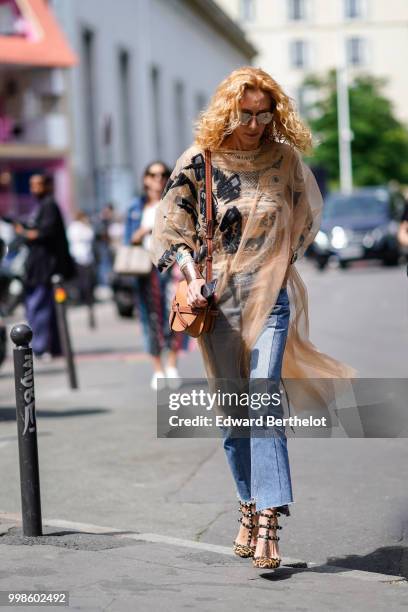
{"x": 85, "y": 282}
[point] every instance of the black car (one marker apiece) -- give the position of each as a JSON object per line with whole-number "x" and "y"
{"x": 362, "y": 225}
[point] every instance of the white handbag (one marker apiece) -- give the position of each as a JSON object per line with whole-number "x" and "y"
{"x": 132, "y": 260}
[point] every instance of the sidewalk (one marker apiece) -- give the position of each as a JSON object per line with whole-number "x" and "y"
{"x": 127, "y": 571}
{"x": 101, "y": 464}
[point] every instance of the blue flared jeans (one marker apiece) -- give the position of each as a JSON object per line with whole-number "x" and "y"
{"x": 259, "y": 462}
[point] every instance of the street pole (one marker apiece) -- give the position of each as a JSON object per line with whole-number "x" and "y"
{"x": 343, "y": 118}
{"x": 21, "y": 335}
{"x": 60, "y": 296}
{"x": 345, "y": 133}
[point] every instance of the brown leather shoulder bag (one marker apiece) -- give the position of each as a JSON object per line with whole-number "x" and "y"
{"x": 184, "y": 318}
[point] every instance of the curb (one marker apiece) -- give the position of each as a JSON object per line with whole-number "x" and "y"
{"x": 287, "y": 562}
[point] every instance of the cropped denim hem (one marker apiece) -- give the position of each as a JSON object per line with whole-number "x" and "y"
{"x": 282, "y": 509}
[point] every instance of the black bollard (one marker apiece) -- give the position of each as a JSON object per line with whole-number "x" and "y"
{"x": 60, "y": 296}
{"x": 21, "y": 335}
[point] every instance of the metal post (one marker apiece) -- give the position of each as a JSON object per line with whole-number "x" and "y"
{"x": 345, "y": 133}
{"x": 60, "y": 296}
{"x": 343, "y": 117}
{"x": 21, "y": 335}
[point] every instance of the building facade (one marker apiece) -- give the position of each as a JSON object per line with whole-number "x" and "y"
{"x": 146, "y": 68}
{"x": 298, "y": 37}
{"x": 93, "y": 91}
{"x": 34, "y": 120}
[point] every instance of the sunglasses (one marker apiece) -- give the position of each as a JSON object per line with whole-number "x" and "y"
{"x": 261, "y": 118}
{"x": 159, "y": 174}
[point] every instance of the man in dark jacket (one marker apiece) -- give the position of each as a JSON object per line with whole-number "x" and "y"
{"x": 48, "y": 255}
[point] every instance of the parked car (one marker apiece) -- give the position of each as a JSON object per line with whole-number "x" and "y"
{"x": 362, "y": 225}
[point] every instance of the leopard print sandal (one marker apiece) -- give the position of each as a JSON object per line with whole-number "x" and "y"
{"x": 248, "y": 511}
{"x": 271, "y": 525}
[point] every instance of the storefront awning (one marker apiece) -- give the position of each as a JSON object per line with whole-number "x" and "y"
{"x": 31, "y": 36}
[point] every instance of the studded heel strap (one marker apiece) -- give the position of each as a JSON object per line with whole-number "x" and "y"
{"x": 269, "y": 527}
{"x": 249, "y": 514}
{"x": 247, "y": 510}
{"x": 263, "y": 561}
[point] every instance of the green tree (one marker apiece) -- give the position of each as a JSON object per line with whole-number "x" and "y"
{"x": 380, "y": 140}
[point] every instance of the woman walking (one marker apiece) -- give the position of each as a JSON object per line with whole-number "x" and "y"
{"x": 152, "y": 290}
{"x": 81, "y": 240}
{"x": 266, "y": 211}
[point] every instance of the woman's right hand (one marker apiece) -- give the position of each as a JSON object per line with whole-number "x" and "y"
{"x": 194, "y": 297}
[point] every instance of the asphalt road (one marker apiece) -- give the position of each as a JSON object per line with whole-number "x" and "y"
{"x": 101, "y": 462}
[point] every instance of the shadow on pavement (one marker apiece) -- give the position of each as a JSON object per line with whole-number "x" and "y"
{"x": 392, "y": 560}
{"x": 389, "y": 560}
{"x": 282, "y": 573}
{"x": 9, "y": 413}
{"x": 69, "y": 539}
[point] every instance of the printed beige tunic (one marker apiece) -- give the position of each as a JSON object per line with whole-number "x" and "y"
{"x": 266, "y": 210}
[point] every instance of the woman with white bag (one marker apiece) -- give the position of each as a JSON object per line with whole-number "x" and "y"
{"x": 152, "y": 288}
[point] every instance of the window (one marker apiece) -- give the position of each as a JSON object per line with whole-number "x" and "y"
{"x": 7, "y": 20}
{"x": 247, "y": 10}
{"x": 355, "y": 51}
{"x": 125, "y": 107}
{"x": 12, "y": 23}
{"x": 296, "y": 10}
{"x": 298, "y": 54}
{"x": 155, "y": 85}
{"x": 353, "y": 9}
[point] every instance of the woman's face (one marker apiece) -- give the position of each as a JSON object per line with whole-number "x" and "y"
{"x": 155, "y": 179}
{"x": 254, "y": 101}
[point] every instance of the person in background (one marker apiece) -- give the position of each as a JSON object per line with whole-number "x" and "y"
{"x": 402, "y": 235}
{"x": 103, "y": 244}
{"x": 48, "y": 255}
{"x": 152, "y": 290}
{"x": 115, "y": 232}
{"x": 81, "y": 239}
{"x": 403, "y": 228}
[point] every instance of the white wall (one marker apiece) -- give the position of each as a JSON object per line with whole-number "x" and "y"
{"x": 384, "y": 26}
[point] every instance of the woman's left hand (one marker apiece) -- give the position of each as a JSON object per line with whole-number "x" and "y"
{"x": 195, "y": 298}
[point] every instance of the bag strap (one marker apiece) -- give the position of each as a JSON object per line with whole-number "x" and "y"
{"x": 208, "y": 215}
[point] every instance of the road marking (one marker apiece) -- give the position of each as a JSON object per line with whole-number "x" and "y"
{"x": 342, "y": 572}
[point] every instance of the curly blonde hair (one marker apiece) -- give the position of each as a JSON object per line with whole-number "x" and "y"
{"x": 221, "y": 117}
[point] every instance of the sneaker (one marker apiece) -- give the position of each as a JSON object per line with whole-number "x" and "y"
{"x": 173, "y": 378}
{"x": 44, "y": 357}
{"x": 153, "y": 382}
